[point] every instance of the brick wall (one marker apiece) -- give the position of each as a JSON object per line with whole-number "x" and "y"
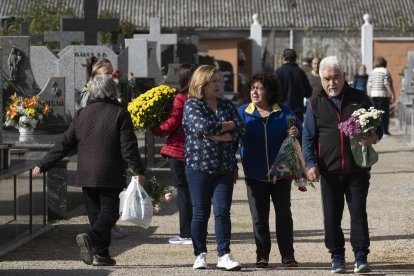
{"x": 396, "y": 54}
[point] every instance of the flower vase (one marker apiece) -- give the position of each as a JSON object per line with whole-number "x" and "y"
{"x": 26, "y": 135}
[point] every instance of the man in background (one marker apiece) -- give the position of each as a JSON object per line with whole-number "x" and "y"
{"x": 295, "y": 84}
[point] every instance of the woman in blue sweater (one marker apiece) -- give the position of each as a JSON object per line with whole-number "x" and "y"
{"x": 266, "y": 128}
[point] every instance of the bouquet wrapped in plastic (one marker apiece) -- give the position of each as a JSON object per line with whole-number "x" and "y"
{"x": 289, "y": 162}
{"x": 360, "y": 123}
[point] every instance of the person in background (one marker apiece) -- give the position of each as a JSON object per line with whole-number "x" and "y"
{"x": 94, "y": 66}
{"x": 266, "y": 129}
{"x": 98, "y": 66}
{"x": 380, "y": 90}
{"x": 306, "y": 64}
{"x": 295, "y": 84}
{"x": 104, "y": 135}
{"x": 173, "y": 149}
{"x": 361, "y": 79}
{"x": 212, "y": 128}
{"x": 314, "y": 78}
{"x": 328, "y": 157}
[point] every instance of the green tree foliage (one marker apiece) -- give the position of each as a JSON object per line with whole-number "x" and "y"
{"x": 43, "y": 16}
{"x": 127, "y": 29}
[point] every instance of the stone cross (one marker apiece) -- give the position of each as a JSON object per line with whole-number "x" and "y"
{"x": 256, "y": 38}
{"x": 156, "y": 36}
{"x": 90, "y": 24}
{"x": 64, "y": 38}
{"x": 26, "y": 32}
{"x": 367, "y": 35}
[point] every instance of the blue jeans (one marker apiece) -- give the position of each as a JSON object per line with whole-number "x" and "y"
{"x": 204, "y": 189}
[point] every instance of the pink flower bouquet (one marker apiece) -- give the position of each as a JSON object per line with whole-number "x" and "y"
{"x": 360, "y": 123}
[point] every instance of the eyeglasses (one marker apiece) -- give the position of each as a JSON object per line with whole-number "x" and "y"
{"x": 259, "y": 89}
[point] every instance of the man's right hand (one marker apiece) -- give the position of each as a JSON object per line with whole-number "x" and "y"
{"x": 313, "y": 174}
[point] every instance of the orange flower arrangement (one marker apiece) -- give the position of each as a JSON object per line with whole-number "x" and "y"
{"x": 25, "y": 112}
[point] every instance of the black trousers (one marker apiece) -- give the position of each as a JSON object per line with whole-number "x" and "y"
{"x": 383, "y": 103}
{"x": 259, "y": 194}
{"x": 102, "y": 208}
{"x": 185, "y": 209}
{"x": 354, "y": 188}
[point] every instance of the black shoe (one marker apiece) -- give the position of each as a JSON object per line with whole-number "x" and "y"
{"x": 292, "y": 263}
{"x": 262, "y": 262}
{"x": 85, "y": 246}
{"x": 103, "y": 261}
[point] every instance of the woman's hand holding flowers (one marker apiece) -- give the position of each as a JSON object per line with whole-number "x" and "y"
{"x": 293, "y": 131}
{"x": 313, "y": 174}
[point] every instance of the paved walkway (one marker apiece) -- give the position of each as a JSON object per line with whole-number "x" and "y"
{"x": 146, "y": 252}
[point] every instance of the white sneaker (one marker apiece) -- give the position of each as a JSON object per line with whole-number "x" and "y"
{"x": 179, "y": 240}
{"x": 200, "y": 261}
{"x": 228, "y": 263}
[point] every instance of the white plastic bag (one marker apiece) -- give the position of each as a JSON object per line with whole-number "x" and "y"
{"x": 137, "y": 207}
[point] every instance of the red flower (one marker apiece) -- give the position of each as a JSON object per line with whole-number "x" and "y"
{"x": 302, "y": 189}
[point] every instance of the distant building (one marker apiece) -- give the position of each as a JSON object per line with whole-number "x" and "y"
{"x": 311, "y": 27}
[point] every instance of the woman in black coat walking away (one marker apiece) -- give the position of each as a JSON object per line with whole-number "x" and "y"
{"x": 107, "y": 145}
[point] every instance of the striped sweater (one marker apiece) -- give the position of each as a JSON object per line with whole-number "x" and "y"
{"x": 377, "y": 80}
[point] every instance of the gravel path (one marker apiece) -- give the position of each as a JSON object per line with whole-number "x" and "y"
{"x": 147, "y": 252}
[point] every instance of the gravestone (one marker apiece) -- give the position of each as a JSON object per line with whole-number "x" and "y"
{"x": 154, "y": 70}
{"x": 409, "y": 77}
{"x": 172, "y": 78}
{"x": 142, "y": 60}
{"x": 156, "y": 36}
{"x": 72, "y": 65}
{"x": 54, "y": 95}
{"x": 16, "y": 69}
{"x": 44, "y": 64}
{"x": 64, "y": 38}
{"x": 90, "y": 24}
{"x": 187, "y": 50}
{"x": 137, "y": 56}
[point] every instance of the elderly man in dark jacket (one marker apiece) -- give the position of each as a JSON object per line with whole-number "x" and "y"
{"x": 104, "y": 135}
{"x": 328, "y": 157}
{"x": 295, "y": 83}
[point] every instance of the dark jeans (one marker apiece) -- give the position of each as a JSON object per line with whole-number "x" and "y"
{"x": 259, "y": 194}
{"x": 102, "y": 207}
{"x": 185, "y": 210}
{"x": 204, "y": 189}
{"x": 354, "y": 188}
{"x": 383, "y": 103}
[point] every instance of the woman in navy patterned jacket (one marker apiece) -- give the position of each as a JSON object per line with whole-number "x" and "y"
{"x": 212, "y": 127}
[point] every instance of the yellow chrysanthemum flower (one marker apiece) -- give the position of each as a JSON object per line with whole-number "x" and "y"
{"x": 151, "y": 107}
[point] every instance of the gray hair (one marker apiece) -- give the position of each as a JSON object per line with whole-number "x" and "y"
{"x": 103, "y": 87}
{"x": 330, "y": 62}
